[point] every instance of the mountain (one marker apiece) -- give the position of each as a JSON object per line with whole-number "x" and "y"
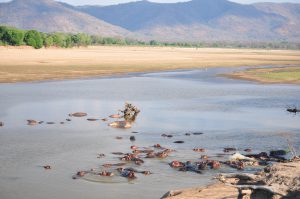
{"x": 51, "y": 16}
{"x": 203, "y": 20}
{"x": 195, "y": 20}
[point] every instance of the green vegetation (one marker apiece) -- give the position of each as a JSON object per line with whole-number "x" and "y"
{"x": 292, "y": 75}
{"x": 33, "y": 38}
{"x": 16, "y": 37}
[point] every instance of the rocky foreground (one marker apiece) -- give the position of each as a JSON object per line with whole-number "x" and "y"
{"x": 280, "y": 180}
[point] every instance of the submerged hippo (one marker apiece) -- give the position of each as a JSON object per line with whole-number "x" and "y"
{"x": 116, "y": 116}
{"x": 78, "y": 114}
{"x": 32, "y": 122}
{"x": 120, "y": 124}
{"x": 1, "y": 124}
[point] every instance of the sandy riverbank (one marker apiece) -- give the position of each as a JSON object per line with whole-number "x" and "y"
{"x": 20, "y": 64}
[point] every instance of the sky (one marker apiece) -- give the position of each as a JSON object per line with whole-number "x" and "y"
{"x": 110, "y": 2}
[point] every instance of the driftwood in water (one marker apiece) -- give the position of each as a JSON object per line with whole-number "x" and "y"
{"x": 293, "y": 109}
{"x": 130, "y": 112}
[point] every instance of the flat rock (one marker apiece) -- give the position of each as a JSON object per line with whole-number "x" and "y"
{"x": 215, "y": 191}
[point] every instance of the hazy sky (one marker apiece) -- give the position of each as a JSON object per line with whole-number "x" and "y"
{"x": 108, "y": 2}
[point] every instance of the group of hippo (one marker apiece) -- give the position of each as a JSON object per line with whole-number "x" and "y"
{"x": 115, "y": 124}
{"x": 138, "y": 155}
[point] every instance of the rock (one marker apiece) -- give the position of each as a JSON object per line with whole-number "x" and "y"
{"x": 277, "y": 153}
{"x": 1, "y": 124}
{"x": 119, "y": 138}
{"x": 238, "y": 157}
{"x": 78, "y": 114}
{"x": 134, "y": 132}
{"x": 62, "y": 123}
{"x": 187, "y": 134}
{"x": 32, "y": 122}
{"x": 178, "y": 142}
{"x": 132, "y": 138}
{"x": 120, "y": 124}
{"x": 50, "y": 122}
{"x": 69, "y": 120}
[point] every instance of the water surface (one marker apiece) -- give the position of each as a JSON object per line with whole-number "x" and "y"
{"x": 230, "y": 113}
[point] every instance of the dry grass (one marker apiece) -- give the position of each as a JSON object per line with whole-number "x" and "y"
{"x": 26, "y": 64}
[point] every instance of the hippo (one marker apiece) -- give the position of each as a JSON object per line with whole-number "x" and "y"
{"x": 120, "y": 124}
{"x": 47, "y": 167}
{"x": 105, "y": 173}
{"x": 32, "y": 122}
{"x": 92, "y": 119}
{"x": 199, "y": 150}
{"x": 78, "y": 114}
{"x": 1, "y": 124}
{"x": 115, "y": 116}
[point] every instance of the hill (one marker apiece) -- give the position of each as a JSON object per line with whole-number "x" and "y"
{"x": 51, "y": 16}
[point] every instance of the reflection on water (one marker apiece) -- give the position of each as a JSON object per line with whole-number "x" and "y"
{"x": 231, "y": 113}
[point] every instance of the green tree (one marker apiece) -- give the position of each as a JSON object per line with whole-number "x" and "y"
{"x": 13, "y": 36}
{"x": 33, "y": 38}
{"x": 48, "y": 41}
{"x": 58, "y": 39}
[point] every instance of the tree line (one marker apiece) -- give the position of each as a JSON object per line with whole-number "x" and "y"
{"x": 16, "y": 37}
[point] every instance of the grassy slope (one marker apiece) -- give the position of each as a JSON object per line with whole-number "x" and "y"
{"x": 271, "y": 75}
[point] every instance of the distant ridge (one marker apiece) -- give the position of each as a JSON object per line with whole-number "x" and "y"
{"x": 203, "y": 20}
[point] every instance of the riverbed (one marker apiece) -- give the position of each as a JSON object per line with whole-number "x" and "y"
{"x": 229, "y": 113}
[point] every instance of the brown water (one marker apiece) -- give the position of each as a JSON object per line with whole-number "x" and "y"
{"x": 230, "y": 113}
